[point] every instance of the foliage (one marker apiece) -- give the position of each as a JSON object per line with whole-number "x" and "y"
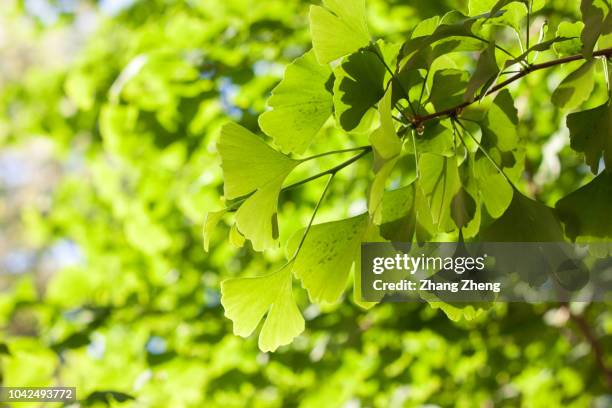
{"x": 469, "y": 188}
{"x": 137, "y": 118}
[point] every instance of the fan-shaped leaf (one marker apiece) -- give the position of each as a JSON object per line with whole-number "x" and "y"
{"x": 587, "y": 212}
{"x": 248, "y": 162}
{"x": 360, "y": 84}
{"x": 576, "y": 87}
{"x": 326, "y": 257}
{"x": 572, "y": 31}
{"x": 256, "y": 218}
{"x": 499, "y": 126}
{"x": 339, "y": 29}
{"x": 525, "y": 220}
{"x": 591, "y": 134}
{"x": 485, "y": 74}
{"x": 384, "y": 139}
{"x": 439, "y": 179}
{"x": 246, "y": 301}
{"x": 299, "y": 111}
{"x": 597, "y": 21}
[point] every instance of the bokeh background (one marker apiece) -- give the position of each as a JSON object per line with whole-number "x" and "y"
{"x": 109, "y": 114}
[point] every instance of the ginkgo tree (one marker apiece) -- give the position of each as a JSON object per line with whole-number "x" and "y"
{"x": 441, "y": 124}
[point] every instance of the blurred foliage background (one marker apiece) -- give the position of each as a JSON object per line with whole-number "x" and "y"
{"x": 109, "y": 114}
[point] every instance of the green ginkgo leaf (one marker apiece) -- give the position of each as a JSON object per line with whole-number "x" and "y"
{"x": 463, "y": 208}
{"x": 525, "y": 220}
{"x": 247, "y": 300}
{"x": 248, "y": 162}
{"x": 439, "y": 180}
{"x": 384, "y": 140}
{"x": 597, "y": 20}
{"x": 448, "y": 88}
{"x": 587, "y": 212}
{"x": 327, "y": 255}
{"x": 251, "y": 166}
{"x": 576, "y": 87}
{"x": 425, "y": 27}
{"x": 573, "y": 32}
{"x": 235, "y": 237}
{"x": 396, "y": 214}
{"x": 477, "y": 7}
{"x": 459, "y": 311}
{"x": 298, "y": 112}
{"x": 256, "y": 218}
{"x": 591, "y": 134}
{"x": 211, "y": 221}
{"x": 485, "y": 74}
{"x": 495, "y": 191}
{"x": 339, "y": 29}
{"x": 499, "y": 127}
{"x": 359, "y": 84}
{"x": 454, "y": 33}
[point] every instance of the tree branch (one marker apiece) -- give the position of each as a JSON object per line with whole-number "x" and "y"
{"x": 598, "y": 352}
{"x": 418, "y": 120}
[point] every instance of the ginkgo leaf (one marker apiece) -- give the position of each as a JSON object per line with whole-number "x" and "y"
{"x": 357, "y": 291}
{"x": 211, "y": 221}
{"x": 485, "y": 74}
{"x": 439, "y": 179}
{"x": 495, "y": 191}
{"x": 298, "y": 112}
{"x": 339, "y": 29}
{"x": 525, "y": 220}
{"x": 327, "y": 255}
{"x": 477, "y": 7}
{"x": 463, "y": 208}
{"x": 576, "y": 87}
{"x": 235, "y": 237}
{"x": 359, "y": 84}
{"x": 499, "y": 127}
{"x": 256, "y": 218}
{"x": 396, "y": 214}
{"x": 251, "y": 166}
{"x": 284, "y": 321}
{"x": 458, "y": 311}
{"x": 371, "y": 234}
{"x": 248, "y": 162}
{"x": 454, "y": 33}
{"x": 591, "y": 134}
{"x": 448, "y": 88}
{"x": 384, "y": 140}
{"x": 378, "y": 184}
{"x": 587, "y": 212}
{"x": 425, "y": 27}
{"x": 572, "y": 31}
{"x": 513, "y": 15}
{"x": 247, "y": 300}
{"x": 597, "y": 18}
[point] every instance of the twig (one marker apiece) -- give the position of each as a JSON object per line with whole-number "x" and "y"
{"x": 418, "y": 120}
{"x": 598, "y": 352}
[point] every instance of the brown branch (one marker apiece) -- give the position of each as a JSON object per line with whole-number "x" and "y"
{"x": 598, "y": 352}
{"x": 418, "y": 120}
